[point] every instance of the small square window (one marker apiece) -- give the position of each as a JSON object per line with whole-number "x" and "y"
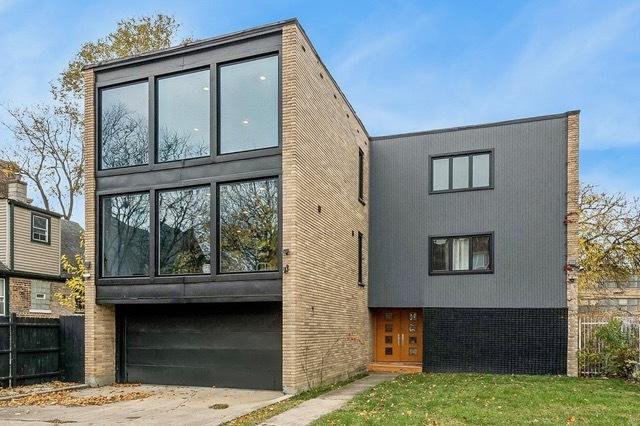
{"x": 388, "y": 351}
{"x": 388, "y": 340}
{"x": 388, "y": 328}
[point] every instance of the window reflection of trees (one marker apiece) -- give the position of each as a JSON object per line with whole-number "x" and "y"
{"x": 184, "y": 218}
{"x": 125, "y": 233}
{"x": 177, "y": 146}
{"x": 249, "y": 226}
{"x": 124, "y": 137}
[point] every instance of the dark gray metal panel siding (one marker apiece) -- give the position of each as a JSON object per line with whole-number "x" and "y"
{"x": 525, "y": 211}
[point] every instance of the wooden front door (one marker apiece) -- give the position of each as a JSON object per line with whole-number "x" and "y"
{"x": 399, "y": 335}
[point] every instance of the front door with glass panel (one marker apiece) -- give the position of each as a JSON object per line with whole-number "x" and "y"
{"x": 399, "y": 335}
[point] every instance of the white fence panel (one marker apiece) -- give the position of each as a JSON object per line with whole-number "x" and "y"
{"x": 587, "y": 338}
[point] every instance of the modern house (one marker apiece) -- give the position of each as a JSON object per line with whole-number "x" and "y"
{"x": 244, "y": 229}
{"x": 30, "y": 250}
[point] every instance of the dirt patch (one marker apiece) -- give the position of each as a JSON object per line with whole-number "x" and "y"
{"x": 68, "y": 399}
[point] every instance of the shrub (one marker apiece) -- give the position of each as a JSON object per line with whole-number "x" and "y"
{"x": 612, "y": 351}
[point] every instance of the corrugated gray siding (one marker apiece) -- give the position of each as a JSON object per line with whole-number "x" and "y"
{"x": 525, "y": 211}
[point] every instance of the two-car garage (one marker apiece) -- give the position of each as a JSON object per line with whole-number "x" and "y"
{"x": 235, "y": 345}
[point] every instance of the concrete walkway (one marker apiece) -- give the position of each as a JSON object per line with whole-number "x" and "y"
{"x": 313, "y": 409}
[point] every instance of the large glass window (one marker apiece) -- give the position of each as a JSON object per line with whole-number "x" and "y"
{"x": 461, "y": 172}
{"x": 125, "y": 235}
{"x": 248, "y": 107}
{"x": 463, "y": 254}
{"x": 248, "y": 226}
{"x": 124, "y": 126}
{"x": 184, "y": 218}
{"x": 183, "y": 116}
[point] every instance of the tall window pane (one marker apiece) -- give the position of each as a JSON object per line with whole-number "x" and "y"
{"x": 481, "y": 170}
{"x": 460, "y": 254}
{"x": 460, "y": 172}
{"x": 481, "y": 252}
{"x": 248, "y": 226}
{"x": 124, "y": 126}
{"x": 440, "y": 170}
{"x": 183, "y": 116}
{"x": 440, "y": 254}
{"x": 248, "y": 108}
{"x": 184, "y": 231}
{"x": 125, "y": 235}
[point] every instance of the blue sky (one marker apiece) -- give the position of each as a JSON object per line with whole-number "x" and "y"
{"x": 405, "y": 66}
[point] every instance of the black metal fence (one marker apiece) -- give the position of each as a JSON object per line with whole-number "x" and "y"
{"x": 38, "y": 349}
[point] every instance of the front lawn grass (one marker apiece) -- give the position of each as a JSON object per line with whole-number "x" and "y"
{"x": 486, "y": 399}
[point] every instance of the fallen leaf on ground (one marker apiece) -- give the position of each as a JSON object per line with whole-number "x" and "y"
{"x": 69, "y": 400}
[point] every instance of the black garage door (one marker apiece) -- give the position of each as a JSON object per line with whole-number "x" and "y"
{"x": 225, "y": 345}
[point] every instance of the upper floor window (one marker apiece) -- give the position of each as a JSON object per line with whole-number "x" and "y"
{"x": 184, "y": 231}
{"x": 40, "y": 228}
{"x": 125, "y": 235}
{"x": 183, "y": 116}
{"x": 248, "y": 105}
{"x": 360, "y": 175}
{"x": 248, "y": 226}
{"x": 124, "y": 126}
{"x": 461, "y": 254}
{"x": 460, "y": 172}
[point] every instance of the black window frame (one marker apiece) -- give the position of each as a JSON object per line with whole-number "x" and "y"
{"x": 98, "y": 127}
{"x": 99, "y": 227}
{"x": 156, "y": 121}
{"x": 48, "y": 219}
{"x": 470, "y": 271}
{"x": 215, "y": 156}
{"x": 360, "y": 259}
{"x": 216, "y": 225}
{"x": 156, "y": 231}
{"x": 217, "y": 141}
{"x": 361, "y": 176}
{"x": 469, "y": 154}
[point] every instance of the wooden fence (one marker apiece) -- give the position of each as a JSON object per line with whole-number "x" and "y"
{"x": 37, "y": 349}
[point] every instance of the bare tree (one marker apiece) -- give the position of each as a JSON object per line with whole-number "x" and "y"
{"x": 47, "y": 150}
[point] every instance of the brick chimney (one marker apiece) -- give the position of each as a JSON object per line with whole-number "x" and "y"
{"x": 11, "y": 184}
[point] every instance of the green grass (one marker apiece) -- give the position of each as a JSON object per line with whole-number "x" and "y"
{"x": 258, "y": 416}
{"x": 484, "y": 399}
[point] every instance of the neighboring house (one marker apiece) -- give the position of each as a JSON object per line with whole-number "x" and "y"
{"x": 613, "y": 298}
{"x": 244, "y": 230}
{"x": 30, "y": 249}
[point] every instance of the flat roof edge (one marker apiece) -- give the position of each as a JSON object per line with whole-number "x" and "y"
{"x": 477, "y": 126}
{"x": 188, "y": 47}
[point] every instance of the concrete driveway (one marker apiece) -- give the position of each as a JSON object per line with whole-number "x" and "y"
{"x": 166, "y": 405}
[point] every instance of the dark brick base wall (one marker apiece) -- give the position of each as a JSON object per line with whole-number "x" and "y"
{"x": 523, "y": 341}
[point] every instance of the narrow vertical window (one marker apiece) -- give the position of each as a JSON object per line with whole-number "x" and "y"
{"x": 3, "y": 301}
{"x": 125, "y": 235}
{"x": 183, "y": 116}
{"x": 360, "y": 258}
{"x": 124, "y": 126}
{"x": 248, "y": 226}
{"x": 248, "y": 105}
{"x": 360, "y": 175}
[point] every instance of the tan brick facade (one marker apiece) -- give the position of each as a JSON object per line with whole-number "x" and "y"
{"x": 326, "y": 331}
{"x": 99, "y": 320}
{"x": 573, "y": 191}
{"x": 20, "y": 299}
